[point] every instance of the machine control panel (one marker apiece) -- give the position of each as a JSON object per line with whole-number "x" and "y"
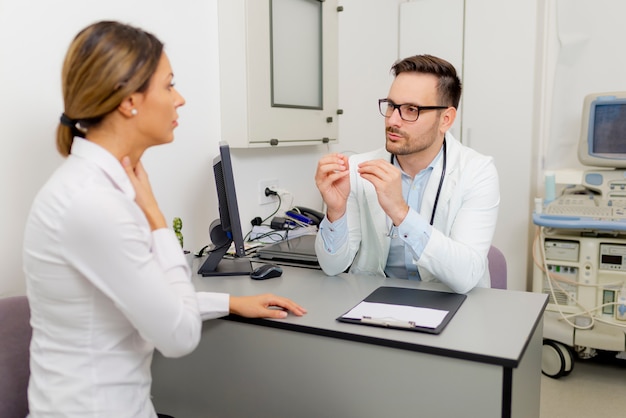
{"x": 613, "y": 257}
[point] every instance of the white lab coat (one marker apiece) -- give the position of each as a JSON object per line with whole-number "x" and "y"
{"x": 464, "y": 223}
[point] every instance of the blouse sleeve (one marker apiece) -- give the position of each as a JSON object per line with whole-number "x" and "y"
{"x": 144, "y": 273}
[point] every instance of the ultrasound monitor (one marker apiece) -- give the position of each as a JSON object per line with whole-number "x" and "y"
{"x": 227, "y": 230}
{"x": 603, "y": 133}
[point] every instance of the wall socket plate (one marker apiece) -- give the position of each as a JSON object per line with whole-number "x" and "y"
{"x": 263, "y": 184}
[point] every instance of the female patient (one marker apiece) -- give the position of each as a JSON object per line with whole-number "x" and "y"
{"x": 106, "y": 279}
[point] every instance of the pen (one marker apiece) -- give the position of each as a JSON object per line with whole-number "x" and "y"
{"x": 299, "y": 217}
{"x": 387, "y": 322}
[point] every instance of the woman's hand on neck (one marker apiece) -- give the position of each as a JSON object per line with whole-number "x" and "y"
{"x": 116, "y": 134}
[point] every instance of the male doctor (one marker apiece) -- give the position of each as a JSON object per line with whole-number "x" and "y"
{"x": 422, "y": 208}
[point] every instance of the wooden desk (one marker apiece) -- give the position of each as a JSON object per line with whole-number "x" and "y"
{"x": 486, "y": 362}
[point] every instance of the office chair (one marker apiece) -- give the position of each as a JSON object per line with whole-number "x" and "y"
{"x": 497, "y": 268}
{"x": 15, "y": 333}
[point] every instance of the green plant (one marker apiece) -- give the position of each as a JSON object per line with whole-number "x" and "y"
{"x": 178, "y": 226}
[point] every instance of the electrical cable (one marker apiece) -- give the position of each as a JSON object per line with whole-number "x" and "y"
{"x": 553, "y": 280}
{"x": 246, "y": 238}
{"x": 550, "y": 279}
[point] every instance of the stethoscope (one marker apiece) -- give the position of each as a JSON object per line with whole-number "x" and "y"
{"x": 443, "y": 174}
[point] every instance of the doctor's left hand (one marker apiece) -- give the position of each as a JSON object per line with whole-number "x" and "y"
{"x": 387, "y": 180}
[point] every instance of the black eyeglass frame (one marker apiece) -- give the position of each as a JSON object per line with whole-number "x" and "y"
{"x": 395, "y": 106}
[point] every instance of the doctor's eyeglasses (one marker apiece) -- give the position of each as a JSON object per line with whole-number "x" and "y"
{"x": 408, "y": 112}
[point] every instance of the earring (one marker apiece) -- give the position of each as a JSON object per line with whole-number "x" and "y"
{"x": 133, "y": 112}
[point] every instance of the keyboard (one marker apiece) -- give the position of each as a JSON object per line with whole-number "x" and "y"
{"x": 584, "y": 212}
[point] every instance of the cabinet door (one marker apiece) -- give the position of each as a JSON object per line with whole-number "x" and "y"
{"x": 492, "y": 44}
{"x": 434, "y": 27}
{"x": 278, "y": 72}
{"x": 499, "y": 86}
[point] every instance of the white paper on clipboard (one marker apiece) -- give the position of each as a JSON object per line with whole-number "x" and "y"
{"x": 387, "y": 313}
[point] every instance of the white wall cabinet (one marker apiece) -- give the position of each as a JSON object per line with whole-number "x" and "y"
{"x": 272, "y": 93}
{"x": 492, "y": 44}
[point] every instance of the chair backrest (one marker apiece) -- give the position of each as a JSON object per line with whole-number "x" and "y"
{"x": 497, "y": 268}
{"x": 15, "y": 333}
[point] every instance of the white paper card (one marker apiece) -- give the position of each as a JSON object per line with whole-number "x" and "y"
{"x": 388, "y": 314}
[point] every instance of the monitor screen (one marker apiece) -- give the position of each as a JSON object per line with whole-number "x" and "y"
{"x": 603, "y": 133}
{"x": 226, "y": 230}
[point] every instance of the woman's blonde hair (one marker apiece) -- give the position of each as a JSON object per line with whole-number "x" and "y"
{"x": 105, "y": 63}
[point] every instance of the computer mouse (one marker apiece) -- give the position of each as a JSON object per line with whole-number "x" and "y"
{"x": 266, "y": 271}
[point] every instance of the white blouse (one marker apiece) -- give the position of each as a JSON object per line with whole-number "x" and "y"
{"x": 104, "y": 291}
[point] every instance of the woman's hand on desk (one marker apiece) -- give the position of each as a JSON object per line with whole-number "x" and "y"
{"x": 259, "y": 306}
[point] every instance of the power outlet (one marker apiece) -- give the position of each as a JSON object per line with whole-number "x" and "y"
{"x": 263, "y": 184}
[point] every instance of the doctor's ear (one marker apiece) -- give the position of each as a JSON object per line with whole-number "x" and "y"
{"x": 447, "y": 118}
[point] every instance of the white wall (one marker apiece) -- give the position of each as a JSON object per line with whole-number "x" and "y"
{"x": 34, "y": 35}
{"x": 579, "y": 58}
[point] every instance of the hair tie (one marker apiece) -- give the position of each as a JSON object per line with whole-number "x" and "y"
{"x": 74, "y": 125}
{"x": 65, "y": 120}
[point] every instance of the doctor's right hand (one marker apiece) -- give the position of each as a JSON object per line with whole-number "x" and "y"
{"x": 332, "y": 178}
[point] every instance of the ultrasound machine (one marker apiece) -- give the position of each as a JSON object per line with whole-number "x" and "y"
{"x": 580, "y": 248}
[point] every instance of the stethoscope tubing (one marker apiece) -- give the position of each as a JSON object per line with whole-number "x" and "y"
{"x": 443, "y": 175}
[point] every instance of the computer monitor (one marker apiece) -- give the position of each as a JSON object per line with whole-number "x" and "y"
{"x": 226, "y": 230}
{"x": 603, "y": 133}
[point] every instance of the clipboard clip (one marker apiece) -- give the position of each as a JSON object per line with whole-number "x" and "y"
{"x": 387, "y": 322}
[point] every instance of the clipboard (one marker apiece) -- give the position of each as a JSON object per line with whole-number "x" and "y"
{"x": 405, "y": 297}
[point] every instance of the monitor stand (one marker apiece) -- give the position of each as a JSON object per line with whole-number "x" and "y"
{"x": 217, "y": 265}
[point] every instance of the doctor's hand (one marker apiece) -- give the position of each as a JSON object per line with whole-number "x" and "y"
{"x": 387, "y": 180}
{"x": 260, "y": 306}
{"x": 332, "y": 179}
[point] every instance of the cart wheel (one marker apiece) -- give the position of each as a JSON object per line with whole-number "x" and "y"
{"x": 552, "y": 359}
{"x": 568, "y": 356}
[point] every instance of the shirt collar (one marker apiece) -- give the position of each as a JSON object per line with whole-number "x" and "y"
{"x": 94, "y": 153}
{"x": 430, "y": 167}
